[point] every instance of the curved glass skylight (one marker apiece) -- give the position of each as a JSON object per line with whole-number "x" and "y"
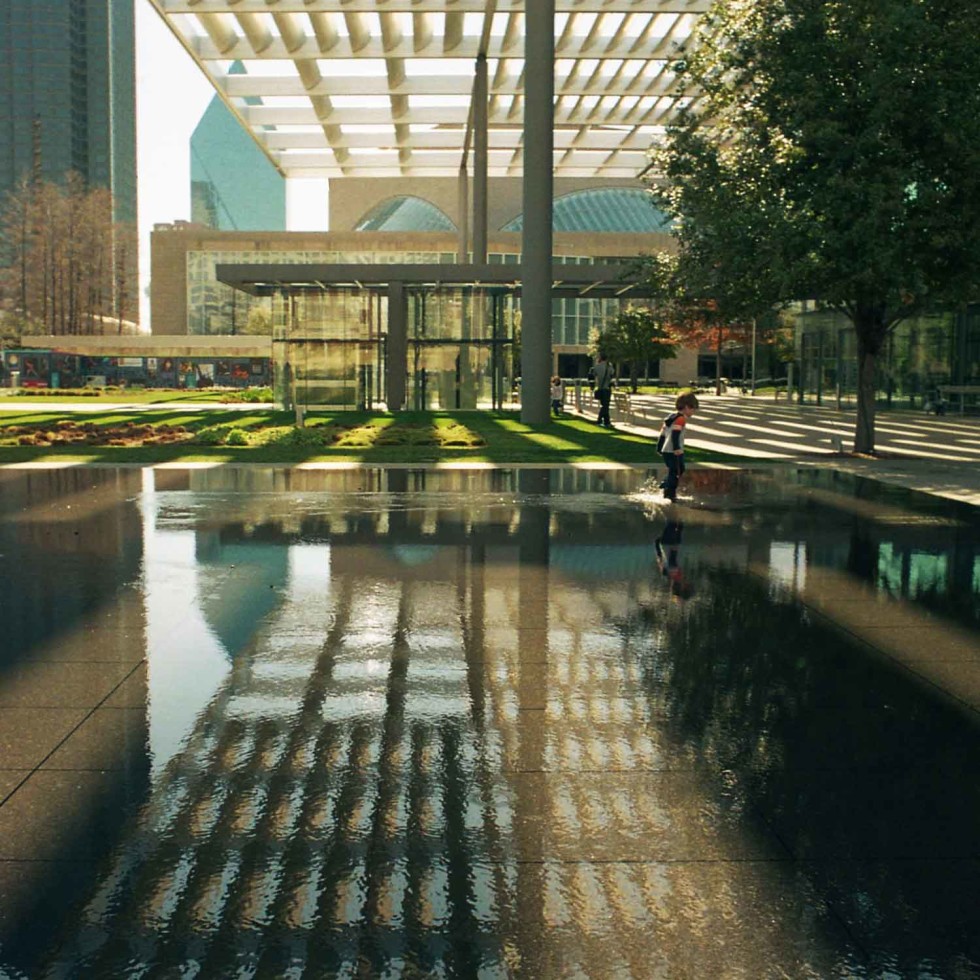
{"x": 405, "y": 214}
{"x": 622, "y": 209}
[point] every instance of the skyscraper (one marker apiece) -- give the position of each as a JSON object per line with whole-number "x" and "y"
{"x": 234, "y": 186}
{"x": 68, "y": 94}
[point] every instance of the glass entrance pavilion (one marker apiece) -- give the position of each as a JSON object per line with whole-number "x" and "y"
{"x": 405, "y": 337}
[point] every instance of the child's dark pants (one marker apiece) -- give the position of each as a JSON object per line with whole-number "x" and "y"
{"x": 675, "y": 470}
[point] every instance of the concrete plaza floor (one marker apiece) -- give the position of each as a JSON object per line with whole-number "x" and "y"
{"x": 934, "y": 454}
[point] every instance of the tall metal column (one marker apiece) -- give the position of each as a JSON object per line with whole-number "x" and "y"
{"x": 480, "y": 158}
{"x": 463, "y": 248}
{"x": 397, "y": 345}
{"x": 539, "y": 89}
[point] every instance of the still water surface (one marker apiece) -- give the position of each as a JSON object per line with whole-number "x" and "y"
{"x": 287, "y": 723}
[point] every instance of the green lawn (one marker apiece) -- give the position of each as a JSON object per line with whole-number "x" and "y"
{"x": 263, "y": 436}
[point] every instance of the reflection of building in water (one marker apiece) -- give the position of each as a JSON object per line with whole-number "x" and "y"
{"x": 72, "y": 697}
{"x": 369, "y": 781}
{"x": 445, "y": 747}
{"x": 80, "y": 543}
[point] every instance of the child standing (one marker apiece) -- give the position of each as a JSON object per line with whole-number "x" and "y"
{"x": 557, "y": 395}
{"x": 671, "y": 441}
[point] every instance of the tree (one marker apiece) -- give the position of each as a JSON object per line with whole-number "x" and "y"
{"x": 636, "y": 335}
{"x": 259, "y": 320}
{"x": 703, "y": 306}
{"x": 65, "y": 266}
{"x": 715, "y": 332}
{"x": 829, "y": 150}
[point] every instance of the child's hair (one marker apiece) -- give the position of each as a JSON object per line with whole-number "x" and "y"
{"x": 686, "y": 399}
{"x": 556, "y": 380}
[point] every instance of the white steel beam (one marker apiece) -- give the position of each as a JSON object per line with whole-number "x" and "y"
{"x": 385, "y": 86}
{"x": 414, "y": 6}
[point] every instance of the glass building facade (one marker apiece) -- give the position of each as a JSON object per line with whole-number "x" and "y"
{"x": 921, "y": 354}
{"x": 330, "y": 347}
{"x": 330, "y": 344}
{"x": 68, "y": 94}
{"x": 608, "y": 209}
{"x": 215, "y": 308}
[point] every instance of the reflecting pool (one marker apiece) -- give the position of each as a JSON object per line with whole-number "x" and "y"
{"x": 533, "y": 723}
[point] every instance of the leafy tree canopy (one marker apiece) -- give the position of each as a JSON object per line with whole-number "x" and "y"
{"x": 829, "y": 149}
{"x": 636, "y": 335}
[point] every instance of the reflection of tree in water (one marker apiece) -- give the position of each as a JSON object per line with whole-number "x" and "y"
{"x": 868, "y": 779}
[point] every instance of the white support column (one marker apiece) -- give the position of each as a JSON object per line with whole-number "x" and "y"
{"x": 539, "y": 88}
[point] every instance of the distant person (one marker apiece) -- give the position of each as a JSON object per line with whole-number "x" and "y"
{"x": 557, "y": 396}
{"x": 603, "y": 379}
{"x": 670, "y": 443}
{"x": 667, "y": 548}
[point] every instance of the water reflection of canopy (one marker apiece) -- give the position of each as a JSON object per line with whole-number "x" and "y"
{"x": 592, "y": 281}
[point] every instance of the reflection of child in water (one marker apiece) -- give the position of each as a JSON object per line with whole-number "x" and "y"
{"x": 667, "y": 547}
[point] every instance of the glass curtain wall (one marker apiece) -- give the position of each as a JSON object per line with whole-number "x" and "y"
{"x": 460, "y": 347}
{"x": 329, "y": 348}
{"x": 920, "y": 354}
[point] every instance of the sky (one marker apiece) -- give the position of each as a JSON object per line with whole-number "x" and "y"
{"x": 171, "y": 96}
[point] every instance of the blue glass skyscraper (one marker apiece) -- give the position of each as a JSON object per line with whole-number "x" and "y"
{"x": 234, "y": 186}
{"x": 68, "y": 94}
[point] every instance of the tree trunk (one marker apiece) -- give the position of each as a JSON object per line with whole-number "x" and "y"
{"x": 864, "y": 432}
{"x": 869, "y": 325}
{"x": 718, "y": 365}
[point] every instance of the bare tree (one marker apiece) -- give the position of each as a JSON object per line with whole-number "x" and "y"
{"x": 65, "y": 266}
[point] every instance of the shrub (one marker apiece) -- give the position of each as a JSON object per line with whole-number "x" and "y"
{"x": 305, "y": 438}
{"x": 263, "y": 394}
{"x": 211, "y": 435}
{"x": 237, "y": 437}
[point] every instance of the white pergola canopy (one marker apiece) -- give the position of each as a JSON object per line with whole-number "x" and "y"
{"x": 384, "y": 88}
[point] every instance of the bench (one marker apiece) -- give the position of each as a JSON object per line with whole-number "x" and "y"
{"x": 620, "y": 405}
{"x": 622, "y": 408}
{"x": 960, "y": 393}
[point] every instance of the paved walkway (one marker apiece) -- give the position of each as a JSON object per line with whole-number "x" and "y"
{"x": 939, "y": 455}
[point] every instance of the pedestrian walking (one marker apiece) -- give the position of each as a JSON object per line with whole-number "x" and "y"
{"x": 603, "y": 389}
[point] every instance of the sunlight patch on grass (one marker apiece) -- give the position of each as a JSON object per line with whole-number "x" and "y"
{"x": 556, "y": 443}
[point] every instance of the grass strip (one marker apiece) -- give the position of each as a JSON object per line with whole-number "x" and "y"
{"x": 263, "y": 436}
